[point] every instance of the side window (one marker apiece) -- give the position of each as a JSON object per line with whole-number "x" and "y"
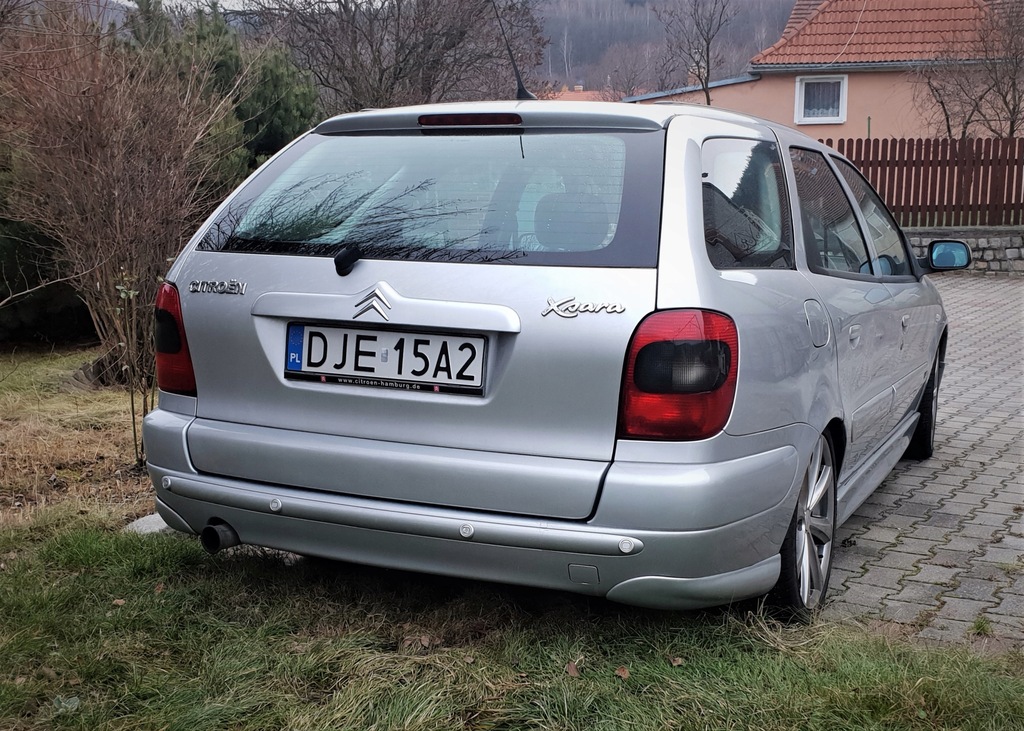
{"x": 884, "y": 233}
{"x": 747, "y": 223}
{"x": 832, "y": 238}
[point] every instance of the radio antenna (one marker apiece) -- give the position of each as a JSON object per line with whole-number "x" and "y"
{"x": 522, "y": 93}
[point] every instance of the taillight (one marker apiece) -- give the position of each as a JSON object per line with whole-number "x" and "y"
{"x": 680, "y": 377}
{"x": 173, "y": 363}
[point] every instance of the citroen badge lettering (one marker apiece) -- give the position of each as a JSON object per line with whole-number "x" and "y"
{"x": 232, "y": 286}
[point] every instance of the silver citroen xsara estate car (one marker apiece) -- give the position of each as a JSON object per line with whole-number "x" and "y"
{"x": 652, "y": 353}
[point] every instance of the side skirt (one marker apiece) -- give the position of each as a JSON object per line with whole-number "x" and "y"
{"x": 855, "y": 488}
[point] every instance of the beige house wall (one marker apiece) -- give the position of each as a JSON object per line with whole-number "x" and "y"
{"x": 887, "y": 98}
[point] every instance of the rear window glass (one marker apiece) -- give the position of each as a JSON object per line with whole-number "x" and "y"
{"x": 540, "y": 198}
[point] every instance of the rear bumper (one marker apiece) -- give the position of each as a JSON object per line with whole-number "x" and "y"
{"x": 515, "y": 552}
{"x": 625, "y": 551}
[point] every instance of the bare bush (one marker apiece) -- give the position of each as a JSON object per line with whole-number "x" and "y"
{"x": 115, "y": 152}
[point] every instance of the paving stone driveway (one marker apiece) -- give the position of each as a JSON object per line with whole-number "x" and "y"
{"x": 939, "y": 547}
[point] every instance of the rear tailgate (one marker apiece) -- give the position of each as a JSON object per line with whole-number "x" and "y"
{"x": 473, "y": 354}
{"x": 550, "y": 382}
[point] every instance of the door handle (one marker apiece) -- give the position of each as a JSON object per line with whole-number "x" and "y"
{"x": 854, "y": 334}
{"x": 905, "y": 321}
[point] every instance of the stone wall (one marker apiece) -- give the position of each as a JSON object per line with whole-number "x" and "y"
{"x": 996, "y": 251}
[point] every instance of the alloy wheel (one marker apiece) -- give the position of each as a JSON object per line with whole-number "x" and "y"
{"x": 815, "y": 525}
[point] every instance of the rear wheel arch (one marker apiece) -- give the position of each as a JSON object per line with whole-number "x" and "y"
{"x": 940, "y": 352}
{"x": 922, "y": 440}
{"x": 837, "y": 431}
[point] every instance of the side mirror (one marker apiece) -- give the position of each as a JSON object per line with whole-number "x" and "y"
{"x": 945, "y": 256}
{"x": 886, "y": 265}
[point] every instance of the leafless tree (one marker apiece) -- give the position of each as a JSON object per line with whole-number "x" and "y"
{"x": 692, "y": 28}
{"x": 630, "y": 69}
{"x": 977, "y": 85}
{"x": 948, "y": 99}
{"x": 114, "y": 153}
{"x": 390, "y": 52}
{"x": 565, "y": 45}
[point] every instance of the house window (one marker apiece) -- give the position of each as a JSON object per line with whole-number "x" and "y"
{"x": 820, "y": 99}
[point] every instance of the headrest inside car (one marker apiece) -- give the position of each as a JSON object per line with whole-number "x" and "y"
{"x": 571, "y": 222}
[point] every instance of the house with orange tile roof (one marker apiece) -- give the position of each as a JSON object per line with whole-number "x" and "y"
{"x": 846, "y": 68}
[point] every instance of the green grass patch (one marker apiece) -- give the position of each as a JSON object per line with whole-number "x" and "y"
{"x": 102, "y": 629}
{"x": 981, "y": 626}
{"x": 33, "y": 371}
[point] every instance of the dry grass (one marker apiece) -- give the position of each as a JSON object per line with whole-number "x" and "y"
{"x": 60, "y": 441}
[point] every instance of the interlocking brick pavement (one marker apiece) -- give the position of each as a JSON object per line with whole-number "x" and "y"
{"x": 939, "y": 547}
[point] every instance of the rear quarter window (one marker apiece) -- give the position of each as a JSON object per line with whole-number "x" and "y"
{"x": 747, "y": 221}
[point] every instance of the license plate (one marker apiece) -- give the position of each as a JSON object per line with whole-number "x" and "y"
{"x": 412, "y": 361}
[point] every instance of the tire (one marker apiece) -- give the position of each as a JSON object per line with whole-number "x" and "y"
{"x": 922, "y": 442}
{"x": 807, "y": 550}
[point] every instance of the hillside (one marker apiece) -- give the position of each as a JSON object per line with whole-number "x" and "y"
{"x": 594, "y": 42}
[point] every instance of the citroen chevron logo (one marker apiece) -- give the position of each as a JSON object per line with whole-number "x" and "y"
{"x": 374, "y": 301}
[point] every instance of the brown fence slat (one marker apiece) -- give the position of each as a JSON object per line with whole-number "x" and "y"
{"x": 899, "y": 185}
{"x": 947, "y": 192}
{"x": 917, "y": 194}
{"x": 963, "y": 168}
{"x": 932, "y": 153}
{"x": 984, "y": 178}
{"x": 995, "y": 204}
{"x": 999, "y": 201}
{"x": 1017, "y": 189}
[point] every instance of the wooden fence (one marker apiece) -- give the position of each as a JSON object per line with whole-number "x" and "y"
{"x": 944, "y": 183}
